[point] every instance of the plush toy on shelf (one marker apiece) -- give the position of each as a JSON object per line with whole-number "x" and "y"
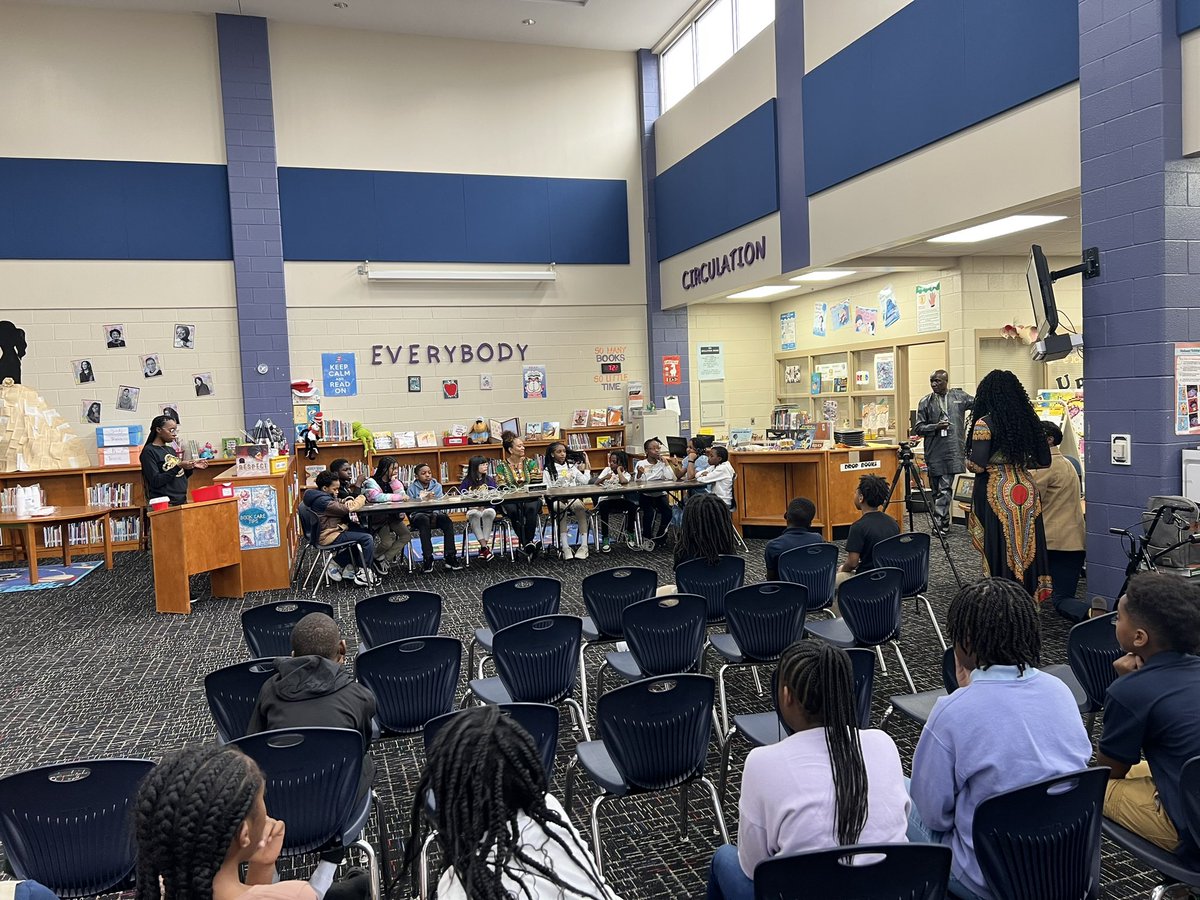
{"x": 208, "y": 452}
{"x": 362, "y": 433}
{"x": 478, "y": 433}
{"x": 312, "y": 436}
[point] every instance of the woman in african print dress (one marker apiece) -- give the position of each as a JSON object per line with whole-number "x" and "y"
{"x": 1005, "y": 442}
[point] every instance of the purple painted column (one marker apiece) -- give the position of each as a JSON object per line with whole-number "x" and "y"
{"x": 666, "y": 330}
{"x": 789, "y": 130}
{"x": 254, "y": 214}
{"x": 1138, "y": 209}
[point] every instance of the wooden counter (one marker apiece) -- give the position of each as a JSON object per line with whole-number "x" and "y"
{"x": 768, "y": 480}
{"x": 268, "y": 531}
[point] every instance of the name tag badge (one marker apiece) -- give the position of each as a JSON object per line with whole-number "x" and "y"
{"x": 943, "y": 433}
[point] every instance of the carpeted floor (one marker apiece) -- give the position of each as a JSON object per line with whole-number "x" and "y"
{"x": 92, "y": 671}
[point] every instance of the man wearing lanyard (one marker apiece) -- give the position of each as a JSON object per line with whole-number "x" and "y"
{"x": 941, "y": 423}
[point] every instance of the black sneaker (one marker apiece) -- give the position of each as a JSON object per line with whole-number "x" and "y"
{"x": 454, "y": 565}
{"x": 427, "y": 569}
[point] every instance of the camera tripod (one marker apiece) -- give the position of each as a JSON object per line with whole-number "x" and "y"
{"x": 912, "y": 476}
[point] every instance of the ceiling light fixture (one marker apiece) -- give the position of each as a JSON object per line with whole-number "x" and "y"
{"x": 341, "y": 4}
{"x": 456, "y": 274}
{"x": 767, "y": 290}
{"x": 529, "y": 21}
{"x": 824, "y": 275}
{"x": 998, "y": 228}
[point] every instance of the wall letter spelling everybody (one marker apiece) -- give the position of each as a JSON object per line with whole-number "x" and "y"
{"x": 521, "y": 348}
{"x": 502, "y": 356}
{"x": 465, "y": 354}
{"x": 395, "y": 354}
{"x": 491, "y": 352}
{"x": 449, "y": 351}
{"x": 413, "y": 358}
{"x": 375, "y": 355}
{"x": 432, "y": 355}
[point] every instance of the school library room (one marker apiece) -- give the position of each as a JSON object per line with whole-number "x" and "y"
{"x": 600, "y": 449}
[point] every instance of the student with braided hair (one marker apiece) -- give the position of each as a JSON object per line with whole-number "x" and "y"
{"x": 706, "y": 533}
{"x": 501, "y": 833}
{"x": 200, "y": 815}
{"x": 828, "y": 784}
{"x": 1009, "y": 726}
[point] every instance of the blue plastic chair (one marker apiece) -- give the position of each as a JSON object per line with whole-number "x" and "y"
{"x": 1042, "y": 841}
{"x": 880, "y": 872}
{"x": 232, "y": 694}
{"x": 70, "y": 826}
{"x": 870, "y": 605}
{"x": 396, "y": 616}
{"x": 535, "y": 663}
{"x": 814, "y": 566}
{"x": 310, "y": 528}
{"x": 268, "y": 628}
{"x": 712, "y": 583}
{"x": 1182, "y": 869}
{"x": 764, "y": 619}
{"x": 605, "y": 596}
{"x": 919, "y": 706}
{"x": 413, "y": 681}
{"x": 909, "y": 553}
{"x": 665, "y": 636}
{"x": 655, "y": 736}
{"x": 312, "y": 780}
{"x": 509, "y": 602}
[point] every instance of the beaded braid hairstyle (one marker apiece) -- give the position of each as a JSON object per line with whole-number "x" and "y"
{"x": 820, "y": 678}
{"x": 484, "y": 769}
{"x": 188, "y": 811}
{"x": 707, "y": 530}
{"x": 1016, "y": 431}
{"x": 995, "y": 620}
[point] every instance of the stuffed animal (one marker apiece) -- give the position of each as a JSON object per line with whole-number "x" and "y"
{"x": 478, "y": 433}
{"x": 208, "y": 452}
{"x": 312, "y": 435}
{"x": 363, "y": 433}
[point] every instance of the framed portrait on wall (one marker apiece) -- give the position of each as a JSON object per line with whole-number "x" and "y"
{"x": 414, "y": 384}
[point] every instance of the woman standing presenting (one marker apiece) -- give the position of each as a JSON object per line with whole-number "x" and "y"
{"x": 516, "y": 472}
{"x": 164, "y": 472}
{"x": 1006, "y": 441}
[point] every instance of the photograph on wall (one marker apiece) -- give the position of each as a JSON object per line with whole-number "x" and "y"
{"x": 414, "y": 384}
{"x": 787, "y": 330}
{"x": 449, "y": 388}
{"x": 151, "y": 366}
{"x": 1187, "y": 388}
{"x": 820, "y": 311}
{"x": 114, "y": 336}
{"x": 127, "y": 398}
{"x": 929, "y": 307}
{"x": 171, "y": 410}
{"x": 203, "y": 383}
{"x": 485, "y": 382}
{"x": 864, "y": 319}
{"x": 185, "y": 337}
{"x": 89, "y": 412}
{"x": 841, "y": 314}
{"x": 84, "y": 374}
{"x": 258, "y": 516}
{"x": 891, "y": 309}
{"x": 533, "y": 382}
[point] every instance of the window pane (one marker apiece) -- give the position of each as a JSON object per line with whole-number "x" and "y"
{"x": 752, "y": 17}
{"x": 678, "y": 73}
{"x": 714, "y": 38}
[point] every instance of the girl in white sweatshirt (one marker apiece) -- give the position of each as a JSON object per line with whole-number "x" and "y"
{"x": 559, "y": 472}
{"x": 618, "y": 472}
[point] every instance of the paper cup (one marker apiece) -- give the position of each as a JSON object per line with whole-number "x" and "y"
{"x": 160, "y": 503}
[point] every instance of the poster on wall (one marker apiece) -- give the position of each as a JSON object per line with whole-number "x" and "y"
{"x": 820, "y": 311}
{"x": 258, "y": 516}
{"x": 891, "y": 309}
{"x": 864, "y": 319}
{"x": 1187, "y": 388}
{"x": 885, "y": 371}
{"x": 787, "y": 330}
{"x": 929, "y": 307}
{"x": 672, "y": 370}
{"x": 841, "y": 314}
{"x": 712, "y": 362}
{"x": 339, "y": 374}
{"x": 533, "y": 382}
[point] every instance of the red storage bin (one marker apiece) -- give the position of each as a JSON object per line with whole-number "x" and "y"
{"x": 212, "y": 492}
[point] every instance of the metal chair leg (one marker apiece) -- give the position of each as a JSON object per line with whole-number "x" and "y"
{"x": 570, "y": 791}
{"x": 757, "y": 681}
{"x": 583, "y": 693}
{"x": 597, "y": 848}
{"x": 903, "y": 666}
{"x": 577, "y": 710}
{"x": 600, "y": 680}
{"x": 385, "y": 856}
{"x": 712, "y": 792}
{"x": 721, "y": 694}
{"x": 471, "y": 656}
{"x": 423, "y": 865}
{"x": 372, "y": 865}
{"x": 921, "y": 598}
{"x": 882, "y": 661}
{"x": 683, "y": 812}
{"x": 726, "y": 752}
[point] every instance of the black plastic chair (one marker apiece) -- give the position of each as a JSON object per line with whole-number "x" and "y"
{"x": 232, "y": 694}
{"x": 605, "y": 596}
{"x": 311, "y": 530}
{"x": 509, "y": 602}
{"x": 870, "y": 605}
{"x": 1042, "y": 841}
{"x": 764, "y": 619}
{"x": 665, "y": 636}
{"x": 655, "y": 738}
{"x": 919, "y": 706}
{"x": 413, "y": 681}
{"x": 815, "y": 567}
{"x": 535, "y": 663}
{"x": 396, "y": 616}
{"x": 712, "y": 583}
{"x": 864, "y": 872}
{"x": 909, "y": 553}
{"x": 1182, "y": 869}
{"x": 70, "y": 826}
{"x": 268, "y": 628}
{"x": 312, "y": 781}
{"x": 1092, "y": 649}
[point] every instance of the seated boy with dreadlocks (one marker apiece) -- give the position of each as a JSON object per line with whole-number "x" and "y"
{"x": 1010, "y": 726}
{"x": 1153, "y": 709}
{"x": 827, "y": 785}
{"x": 873, "y": 526}
{"x": 501, "y": 833}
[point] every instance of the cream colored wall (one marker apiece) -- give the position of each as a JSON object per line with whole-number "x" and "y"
{"x": 745, "y": 330}
{"x": 742, "y": 84}
{"x": 832, "y": 25}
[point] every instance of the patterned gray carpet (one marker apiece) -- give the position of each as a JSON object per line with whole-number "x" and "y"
{"x": 92, "y": 671}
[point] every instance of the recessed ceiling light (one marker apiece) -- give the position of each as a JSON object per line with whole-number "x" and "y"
{"x": 341, "y": 4}
{"x": 767, "y": 290}
{"x": 529, "y": 21}
{"x": 989, "y": 230}
{"x": 824, "y": 275}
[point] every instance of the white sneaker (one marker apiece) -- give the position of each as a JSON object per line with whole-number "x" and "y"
{"x": 362, "y": 578}
{"x": 348, "y": 571}
{"x": 648, "y": 546}
{"x": 334, "y": 572}
{"x": 566, "y": 551}
{"x": 582, "y": 552}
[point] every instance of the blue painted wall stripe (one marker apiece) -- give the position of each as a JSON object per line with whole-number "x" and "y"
{"x": 336, "y": 214}
{"x": 728, "y": 182}
{"x": 1187, "y": 16}
{"x": 96, "y": 209}
{"x": 932, "y": 69}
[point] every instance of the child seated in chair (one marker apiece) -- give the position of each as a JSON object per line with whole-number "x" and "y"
{"x": 799, "y": 533}
{"x": 334, "y": 521}
{"x": 1153, "y": 709}
{"x": 873, "y": 526}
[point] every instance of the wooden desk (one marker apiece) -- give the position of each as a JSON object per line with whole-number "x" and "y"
{"x": 61, "y": 517}
{"x": 195, "y": 538}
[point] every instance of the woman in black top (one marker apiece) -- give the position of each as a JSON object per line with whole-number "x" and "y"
{"x": 164, "y": 472}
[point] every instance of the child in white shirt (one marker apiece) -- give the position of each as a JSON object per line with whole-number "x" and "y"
{"x": 618, "y": 472}
{"x": 561, "y": 472}
{"x": 718, "y": 475}
{"x": 655, "y": 467}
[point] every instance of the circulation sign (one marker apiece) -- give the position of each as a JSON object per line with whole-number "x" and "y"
{"x": 340, "y": 375}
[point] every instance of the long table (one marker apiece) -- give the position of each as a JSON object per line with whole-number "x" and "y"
{"x": 577, "y": 492}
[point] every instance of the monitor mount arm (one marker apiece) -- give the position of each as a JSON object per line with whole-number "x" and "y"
{"x": 1089, "y": 268}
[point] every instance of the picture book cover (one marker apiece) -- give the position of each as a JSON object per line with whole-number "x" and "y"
{"x": 494, "y": 429}
{"x": 552, "y": 430}
{"x": 406, "y": 439}
{"x": 816, "y": 384}
{"x": 604, "y": 441}
{"x": 579, "y": 418}
{"x": 616, "y": 415}
{"x": 839, "y": 385}
{"x": 598, "y": 418}
{"x": 426, "y": 439}
{"x": 533, "y": 429}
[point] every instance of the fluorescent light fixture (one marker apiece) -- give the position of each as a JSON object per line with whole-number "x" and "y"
{"x": 824, "y": 275}
{"x": 767, "y": 290}
{"x": 989, "y": 230}
{"x": 456, "y": 274}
